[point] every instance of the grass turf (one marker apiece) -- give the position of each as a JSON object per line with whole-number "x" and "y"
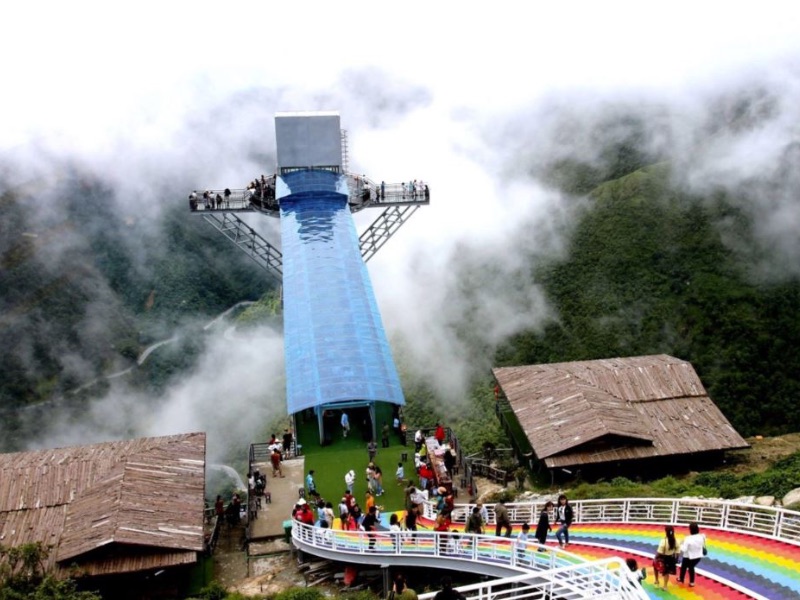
{"x": 331, "y": 462}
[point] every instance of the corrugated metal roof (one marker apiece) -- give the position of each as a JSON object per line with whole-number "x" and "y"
{"x": 615, "y": 409}
{"x": 141, "y": 498}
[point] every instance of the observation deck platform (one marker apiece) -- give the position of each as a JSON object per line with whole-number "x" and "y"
{"x": 364, "y": 193}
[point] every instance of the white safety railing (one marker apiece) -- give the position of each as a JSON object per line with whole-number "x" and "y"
{"x": 555, "y": 570}
{"x": 768, "y": 521}
{"x": 598, "y": 579}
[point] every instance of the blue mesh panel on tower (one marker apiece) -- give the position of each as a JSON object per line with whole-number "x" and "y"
{"x": 336, "y": 348}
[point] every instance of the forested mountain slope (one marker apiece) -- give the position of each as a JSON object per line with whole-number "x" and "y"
{"x": 86, "y": 283}
{"x": 649, "y": 271}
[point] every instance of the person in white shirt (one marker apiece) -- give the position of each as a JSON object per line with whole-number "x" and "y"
{"x": 693, "y": 549}
{"x": 349, "y": 480}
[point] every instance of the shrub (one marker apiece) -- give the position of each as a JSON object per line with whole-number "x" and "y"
{"x": 359, "y": 595}
{"x": 298, "y": 593}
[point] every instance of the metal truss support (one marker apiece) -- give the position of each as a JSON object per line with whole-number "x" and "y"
{"x": 267, "y": 256}
{"x": 384, "y": 227}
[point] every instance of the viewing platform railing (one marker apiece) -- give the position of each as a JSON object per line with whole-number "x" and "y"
{"x": 502, "y": 557}
{"x": 549, "y": 571}
{"x": 768, "y": 521}
{"x": 598, "y": 579}
{"x": 363, "y": 193}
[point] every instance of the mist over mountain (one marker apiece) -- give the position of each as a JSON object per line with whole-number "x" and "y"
{"x": 574, "y": 227}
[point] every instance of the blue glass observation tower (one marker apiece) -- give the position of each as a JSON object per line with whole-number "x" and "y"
{"x": 336, "y": 351}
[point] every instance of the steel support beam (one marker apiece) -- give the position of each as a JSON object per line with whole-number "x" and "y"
{"x": 384, "y": 227}
{"x": 267, "y": 256}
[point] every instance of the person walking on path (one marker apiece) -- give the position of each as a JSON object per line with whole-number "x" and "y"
{"x": 287, "y": 441}
{"x": 275, "y": 459}
{"x": 501, "y": 519}
{"x": 474, "y": 522}
{"x": 666, "y": 559}
{"x": 693, "y": 549}
{"x": 522, "y": 540}
{"x": 369, "y": 524}
{"x": 372, "y": 450}
{"x": 564, "y": 516}
{"x": 385, "y": 435}
{"x": 439, "y": 433}
{"x": 310, "y": 484}
{"x": 378, "y": 480}
{"x": 543, "y": 526}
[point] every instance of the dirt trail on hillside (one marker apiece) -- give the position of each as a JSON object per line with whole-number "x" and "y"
{"x": 763, "y": 453}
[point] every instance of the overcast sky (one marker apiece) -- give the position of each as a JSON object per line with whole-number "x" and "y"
{"x": 150, "y": 92}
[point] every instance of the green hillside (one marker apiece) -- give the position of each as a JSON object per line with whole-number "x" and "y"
{"x": 87, "y": 282}
{"x": 647, "y": 272}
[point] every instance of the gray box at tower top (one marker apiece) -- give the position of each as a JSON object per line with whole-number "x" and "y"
{"x": 308, "y": 140}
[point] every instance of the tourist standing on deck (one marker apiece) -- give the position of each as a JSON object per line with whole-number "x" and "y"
{"x": 564, "y": 516}
{"x": 369, "y": 524}
{"x": 474, "y": 522}
{"x": 501, "y": 519}
{"x": 543, "y": 526}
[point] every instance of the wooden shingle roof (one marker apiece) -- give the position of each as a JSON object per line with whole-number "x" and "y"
{"x": 121, "y": 505}
{"x": 615, "y": 409}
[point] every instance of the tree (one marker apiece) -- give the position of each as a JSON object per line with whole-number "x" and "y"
{"x": 22, "y": 576}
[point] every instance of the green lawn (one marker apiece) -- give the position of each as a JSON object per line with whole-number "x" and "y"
{"x": 330, "y": 463}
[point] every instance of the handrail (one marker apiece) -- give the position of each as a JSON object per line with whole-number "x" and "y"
{"x": 764, "y": 521}
{"x": 767, "y": 521}
{"x": 363, "y": 192}
{"x": 548, "y": 564}
{"x": 577, "y": 578}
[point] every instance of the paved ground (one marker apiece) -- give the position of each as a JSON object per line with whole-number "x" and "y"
{"x": 284, "y": 493}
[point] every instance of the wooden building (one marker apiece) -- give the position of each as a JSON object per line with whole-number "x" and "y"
{"x": 619, "y": 410}
{"x": 111, "y": 509}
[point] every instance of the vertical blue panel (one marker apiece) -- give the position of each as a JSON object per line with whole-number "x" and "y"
{"x": 335, "y": 344}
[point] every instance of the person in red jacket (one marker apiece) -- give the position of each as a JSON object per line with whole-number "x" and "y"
{"x": 439, "y": 435}
{"x": 425, "y": 476}
{"x": 304, "y": 514}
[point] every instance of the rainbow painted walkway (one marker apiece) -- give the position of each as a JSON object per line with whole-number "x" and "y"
{"x": 738, "y": 565}
{"x": 769, "y": 568}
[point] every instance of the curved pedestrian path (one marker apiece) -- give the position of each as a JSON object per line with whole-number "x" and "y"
{"x": 740, "y": 564}
{"x": 753, "y": 551}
